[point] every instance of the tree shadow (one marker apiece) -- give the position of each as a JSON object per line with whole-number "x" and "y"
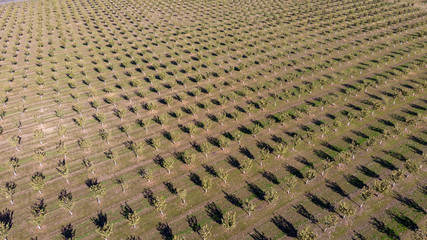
{"x": 233, "y": 199}
{"x": 214, "y": 212}
{"x": 294, "y": 171}
{"x": 368, "y": 172}
{"x": 193, "y": 223}
{"x": 336, "y": 188}
{"x": 384, "y": 163}
{"x": 358, "y": 236}
{"x": 270, "y": 177}
{"x": 305, "y": 213}
{"x": 170, "y": 187}
{"x": 6, "y": 217}
{"x": 257, "y": 235}
{"x": 330, "y": 146}
{"x": 304, "y": 161}
{"x": 408, "y": 202}
{"x": 381, "y": 227}
{"x": 355, "y": 181}
{"x": 403, "y": 220}
{"x": 245, "y": 151}
{"x": 321, "y": 202}
{"x": 396, "y": 155}
{"x": 165, "y": 231}
{"x": 284, "y": 226}
{"x": 210, "y": 169}
{"x": 68, "y": 232}
{"x": 323, "y": 155}
{"x": 233, "y": 162}
{"x": 149, "y": 195}
{"x": 195, "y": 179}
{"x": 100, "y": 220}
{"x": 255, "y": 190}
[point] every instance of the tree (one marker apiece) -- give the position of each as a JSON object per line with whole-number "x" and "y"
{"x": 9, "y": 190}
{"x": 228, "y": 220}
{"x": 159, "y": 203}
{"x": 206, "y": 184}
{"x": 280, "y": 149}
{"x": 39, "y": 155}
{"x": 66, "y": 200}
{"x": 62, "y": 149}
{"x": 15, "y": 141}
{"x": 146, "y": 173}
{"x": 365, "y": 194}
{"x": 306, "y": 234}
{"x": 103, "y": 228}
{"x": 105, "y": 135}
{"x": 13, "y": 164}
{"x": 167, "y": 163}
{"x": 62, "y": 168}
{"x": 238, "y": 136}
{"x": 129, "y": 215}
{"x": 205, "y": 232}
{"x": 122, "y": 183}
{"x": 345, "y": 209}
{"x": 112, "y": 155}
{"x": 382, "y": 186}
{"x": 264, "y": 155}
{"x": 87, "y": 163}
{"x": 246, "y": 165}
{"x": 37, "y": 181}
{"x": 205, "y": 148}
{"x": 187, "y": 157}
{"x": 223, "y": 142}
{"x": 6, "y": 223}
{"x": 182, "y": 194}
{"x": 310, "y": 174}
{"x": 329, "y": 221}
{"x": 62, "y": 130}
{"x": 95, "y": 188}
{"x": 223, "y": 174}
{"x": 136, "y": 148}
{"x": 248, "y": 206}
{"x": 291, "y": 182}
{"x": 325, "y": 165}
{"x": 38, "y": 212}
{"x": 39, "y": 134}
{"x": 271, "y": 195}
{"x": 412, "y": 166}
{"x": 396, "y": 175}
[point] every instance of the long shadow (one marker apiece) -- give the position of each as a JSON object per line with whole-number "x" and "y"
{"x": 68, "y": 232}
{"x": 214, "y": 212}
{"x": 336, "y": 188}
{"x": 165, "y": 231}
{"x": 193, "y": 223}
{"x": 381, "y": 227}
{"x": 304, "y": 161}
{"x": 321, "y": 202}
{"x": 233, "y": 199}
{"x": 330, "y": 146}
{"x": 100, "y": 220}
{"x": 418, "y": 140}
{"x": 403, "y": 220}
{"x": 384, "y": 163}
{"x": 305, "y": 213}
{"x": 323, "y": 155}
{"x": 245, "y": 151}
{"x": 257, "y": 235}
{"x": 294, "y": 171}
{"x": 233, "y": 162}
{"x": 255, "y": 190}
{"x": 368, "y": 172}
{"x": 358, "y": 236}
{"x": 408, "y": 202}
{"x": 355, "y": 181}
{"x": 270, "y": 177}
{"x": 284, "y": 226}
{"x": 396, "y": 155}
{"x": 149, "y": 195}
{"x": 170, "y": 187}
{"x": 195, "y": 179}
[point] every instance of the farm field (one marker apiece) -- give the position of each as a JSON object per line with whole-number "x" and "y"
{"x": 191, "y": 119}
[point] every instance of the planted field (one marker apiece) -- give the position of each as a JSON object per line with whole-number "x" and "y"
{"x": 272, "y": 119}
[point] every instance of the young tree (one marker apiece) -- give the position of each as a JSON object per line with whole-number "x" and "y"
{"x": 329, "y": 221}
{"x": 412, "y": 166}
{"x": 87, "y": 163}
{"x": 248, "y": 206}
{"x": 205, "y": 148}
{"x": 223, "y": 174}
{"x": 306, "y": 234}
{"x": 280, "y": 149}
{"x": 112, "y": 155}
{"x": 206, "y": 184}
{"x": 291, "y": 182}
{"x": 365, "y": 194}
{"x": 13, "y": 164}
{"x": 228, "y": 220}
{"x": 95, "y": 188}
{"x": 84, "y": 143}
{"x": 396, "y": 175}
{"x": 66, "y": 200}
{"x": 6, "y": 217}
{"x": 246, "y": 165}
{"x": 15, "y": 141}
{"x": 167, "y": 163}
{"x": 38, "y": 212}
{"x": 129, "y": 215}
{"x": 205, "y": 232}
{"x": 103, "y": 228}
{"x": 264, "y": 155}
{"x": 62, "y": 168}
{"x": 271, "y": 195}
{"x": 159, "y": 204}
{"x": 37, "y": 181}
{"x": 345, "y": 209}
{"x": 9, "y": 190}
{"x": 146, "y": 173}
{"x": 121, "y": 183}
{"x": 310, "y": 174}
{"x": 182, "y": 194}
{"x": 105, "y": 135}
{"x": 382, "y": 186}
{"x": 39, "y": 155}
